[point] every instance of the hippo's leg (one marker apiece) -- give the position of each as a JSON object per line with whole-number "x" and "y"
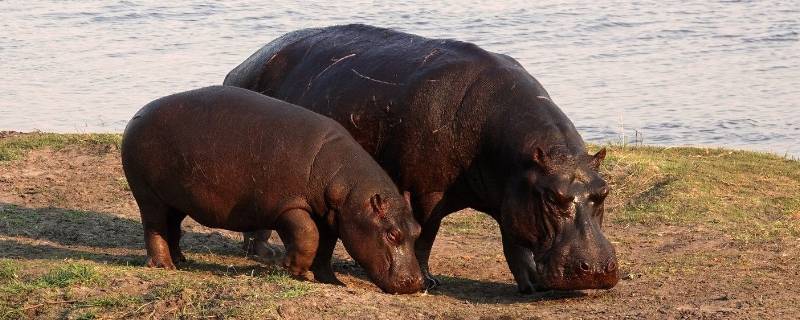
{"x": 174, "y": 236}
{"x": 301, "y": 239}
{"x": 155, "y": 219}
{"x": 424, "y": 210}
{"x": 257, "y": 243}
{"x": 321, "y": 267}
{"x": 520, "y": 261}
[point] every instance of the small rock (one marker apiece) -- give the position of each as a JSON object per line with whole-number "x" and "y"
{"x": 630, "y": 276}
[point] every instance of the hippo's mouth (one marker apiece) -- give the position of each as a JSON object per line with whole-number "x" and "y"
{"x": 394, "y": 279}
{"x": 582, "y": 277}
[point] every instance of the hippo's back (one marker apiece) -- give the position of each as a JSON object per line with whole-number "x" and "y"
{"x": 219, "y": 148}
{"x": 400, "y": 95}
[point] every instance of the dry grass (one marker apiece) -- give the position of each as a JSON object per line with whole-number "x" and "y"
{"x": 753, "y": 196}
{"x": 700, "y": 233}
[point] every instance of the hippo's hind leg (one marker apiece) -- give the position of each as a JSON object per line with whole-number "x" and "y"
{"x": 155, "y": 219}
{"x": 301, "y": 239}
{"x": 321, "y": 267}
{"x": 174, "y": 235}
{"x": 257, "y": 243}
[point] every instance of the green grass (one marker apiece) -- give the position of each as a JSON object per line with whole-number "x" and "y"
{"x": 752, "y": 196}
{"x": 290, "y": 288}
{"x": 122, "y": 182}
{"x": 468, "y": 222}
{"x": 53, "y": 286}
{"x": 69, "y": 274}
{"x": 8, "y": 270}
{"x": 10, "y": 215}
{"x": 14, "y": 147}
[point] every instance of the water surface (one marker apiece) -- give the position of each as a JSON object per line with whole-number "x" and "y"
{"x": 723, "y": 73}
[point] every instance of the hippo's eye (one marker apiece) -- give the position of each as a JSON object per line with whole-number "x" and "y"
{"x": 394, "y": 236}
{"x": 600, "y": 194}
{"x": 560, "y": 199}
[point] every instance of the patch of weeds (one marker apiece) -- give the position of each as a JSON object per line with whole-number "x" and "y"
{"x": 294, "y": 290}
{"x": 77, "y": 214}
{"x": 16, "y": 217}
{"x": 122, "y": 183}
{"x": 290, "y": 288}
{"x": 10, "y": 312}
{"x": 748, "y": 195}
{"x": 277, "y": 276}
{"x": 170, "y": 289}
{"x": 14, "y": 147}
{"x": 69, "y": 274}
{"x": 8, "y": 270}
{"x": 467, "y": 222}
{"x": 18, "y": 288}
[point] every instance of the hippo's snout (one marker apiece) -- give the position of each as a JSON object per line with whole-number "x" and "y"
{"x": 579, "y": 274}
{"x": 588, "y": 275}
{"x": 405, "y": 285}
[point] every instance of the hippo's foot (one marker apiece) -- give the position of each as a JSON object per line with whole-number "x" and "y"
{"x": 430, "y": 281}
{"x": 160, "y": 262}
{"x": 326, "y": 275}
{"x": 526, "y": 284}
{"x": 179, "y": 258}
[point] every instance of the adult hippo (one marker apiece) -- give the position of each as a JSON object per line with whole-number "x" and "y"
{"x": 234, "y": 159}
{"x": 455, "y": 126}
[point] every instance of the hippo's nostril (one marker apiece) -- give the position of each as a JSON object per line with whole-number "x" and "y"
{"x": 611, "y": 266}
{"x": 584, "y": 266}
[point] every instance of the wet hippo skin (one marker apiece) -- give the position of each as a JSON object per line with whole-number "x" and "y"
{"x": 234, "y": 159}
{"x": 455, "y": 126}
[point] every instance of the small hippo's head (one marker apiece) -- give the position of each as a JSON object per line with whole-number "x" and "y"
{"x": 556, "y": 209}
{"x": 378, "y": 231}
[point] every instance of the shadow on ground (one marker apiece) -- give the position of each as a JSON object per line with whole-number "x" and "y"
{"x": 59, "y": 233}
{"x": 470, "y": 290}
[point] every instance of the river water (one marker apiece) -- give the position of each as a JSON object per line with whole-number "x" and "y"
{"x": 719, "y": 73}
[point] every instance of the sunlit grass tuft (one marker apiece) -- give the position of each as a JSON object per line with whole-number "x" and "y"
{"x": 13, "y": 147}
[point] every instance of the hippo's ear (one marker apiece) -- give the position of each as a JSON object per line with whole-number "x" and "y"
{"x": 597, "y": 159}
{"x": 407, "y": 197}
{"x": 379, "y": 206}
{"x": 540, "y": 159}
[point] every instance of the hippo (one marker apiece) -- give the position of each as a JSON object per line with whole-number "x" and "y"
{"x": 238, "y": 160}
{"x": 456, "y": 127}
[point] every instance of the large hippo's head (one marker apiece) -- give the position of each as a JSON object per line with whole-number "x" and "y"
{"x": 556, "y": 209}
{"x": 378, "y": 231}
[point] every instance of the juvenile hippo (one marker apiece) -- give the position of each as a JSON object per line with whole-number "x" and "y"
{"x": 234, "y": 159}
{"x": 455, "y": 126}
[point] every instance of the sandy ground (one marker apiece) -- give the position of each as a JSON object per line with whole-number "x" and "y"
{"x": 73, "y": 203}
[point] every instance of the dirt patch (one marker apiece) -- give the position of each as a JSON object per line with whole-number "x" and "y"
{"x": 72, "y": 205}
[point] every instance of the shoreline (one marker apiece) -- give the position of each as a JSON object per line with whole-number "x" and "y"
{"x": 590, "y": 144}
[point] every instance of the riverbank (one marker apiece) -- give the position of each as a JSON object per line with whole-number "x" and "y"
{"x": 709, "y": 233}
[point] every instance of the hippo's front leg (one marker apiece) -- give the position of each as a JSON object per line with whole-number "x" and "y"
{"x": 430, "y": 219}
{"x": 520, "y": 261}
{"x": 301, "y": 239}
{"x": 322, "y": 269}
